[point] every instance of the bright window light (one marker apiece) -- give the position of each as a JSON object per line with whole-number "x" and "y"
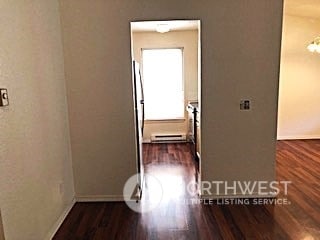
{"x": 163, "y": 83}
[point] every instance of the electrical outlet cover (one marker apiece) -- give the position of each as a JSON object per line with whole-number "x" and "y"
{"x": 4, "y": 99}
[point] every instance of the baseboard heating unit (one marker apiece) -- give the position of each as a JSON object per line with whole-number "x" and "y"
{"x": 172, "y": 137}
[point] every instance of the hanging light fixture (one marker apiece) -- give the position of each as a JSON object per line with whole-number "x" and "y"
{"x": 162, "y": 28}
{"x": 314, "y": 46}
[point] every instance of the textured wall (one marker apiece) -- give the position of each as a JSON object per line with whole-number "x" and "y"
{"x": 240, "y": 59}
{"x": 189, "y": 41}
{"x": 35, "y": 156}
{"x": 299, "y": 115}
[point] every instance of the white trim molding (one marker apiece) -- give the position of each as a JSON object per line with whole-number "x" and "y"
{"x": 298, "y": 137}
{"x": 1, "y": 228}
{"x": 99, "y": 198}
{"x": 60, "y": 220}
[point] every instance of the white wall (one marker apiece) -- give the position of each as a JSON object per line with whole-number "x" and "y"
{"x": 189, "y": 41}
{"x": 35, "y": 154}
{"x": 299, "y": 98}
{"x": 240, "y": 59}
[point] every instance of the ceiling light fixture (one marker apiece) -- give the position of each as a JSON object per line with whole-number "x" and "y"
{"x": 314, "y": 46}
{"x": 162, "y": 28}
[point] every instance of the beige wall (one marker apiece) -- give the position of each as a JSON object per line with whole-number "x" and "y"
{"x": 189, "y": 41}
{"x": 35, "y": 155}
{"x": 299, "y": 98}
{"x": 240, "y": 59}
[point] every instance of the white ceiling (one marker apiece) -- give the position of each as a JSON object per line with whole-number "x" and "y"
{"x": 303, "y": 8}
{"x": 175, "y": 25}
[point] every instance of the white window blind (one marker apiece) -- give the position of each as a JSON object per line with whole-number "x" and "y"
{"x": 163, "y": 83}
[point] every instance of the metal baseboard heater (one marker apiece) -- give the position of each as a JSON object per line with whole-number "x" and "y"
{"x": 172, "y": 137}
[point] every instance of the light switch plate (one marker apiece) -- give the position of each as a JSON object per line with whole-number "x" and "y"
{"x": 4, "y": 99}
{"x": 245, "y": 105}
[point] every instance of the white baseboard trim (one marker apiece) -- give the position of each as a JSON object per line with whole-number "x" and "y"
{"x": 298, "y": 137}
{"x": 99, "y": 198}
{"x": 60, "y": 220}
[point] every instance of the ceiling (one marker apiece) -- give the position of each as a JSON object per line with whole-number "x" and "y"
{"x": 303, "y": 8}
{"x": 175, "y": 25}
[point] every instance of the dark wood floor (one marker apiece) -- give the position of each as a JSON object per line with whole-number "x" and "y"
{"x": 297, "y": 161}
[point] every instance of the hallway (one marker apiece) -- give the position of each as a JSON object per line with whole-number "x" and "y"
{"x": 172, "y": 164}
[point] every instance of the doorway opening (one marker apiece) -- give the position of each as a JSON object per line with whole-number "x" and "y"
{"x": 298, "y": 99}
{"x": 167, "y": 93}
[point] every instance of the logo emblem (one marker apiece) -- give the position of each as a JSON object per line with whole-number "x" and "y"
{"x": 145, "y": 197}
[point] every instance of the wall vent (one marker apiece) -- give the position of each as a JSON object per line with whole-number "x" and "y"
{"x": 172, "y": 137}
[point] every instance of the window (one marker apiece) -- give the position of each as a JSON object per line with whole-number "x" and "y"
{"x": 163, "y": 83}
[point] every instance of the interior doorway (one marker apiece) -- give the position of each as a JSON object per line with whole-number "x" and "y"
{"x": 298, "y": 110}
{"x": 167, "y": 87}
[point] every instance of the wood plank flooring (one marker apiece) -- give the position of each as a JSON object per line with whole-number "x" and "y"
{"x": 297, "y": 161}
